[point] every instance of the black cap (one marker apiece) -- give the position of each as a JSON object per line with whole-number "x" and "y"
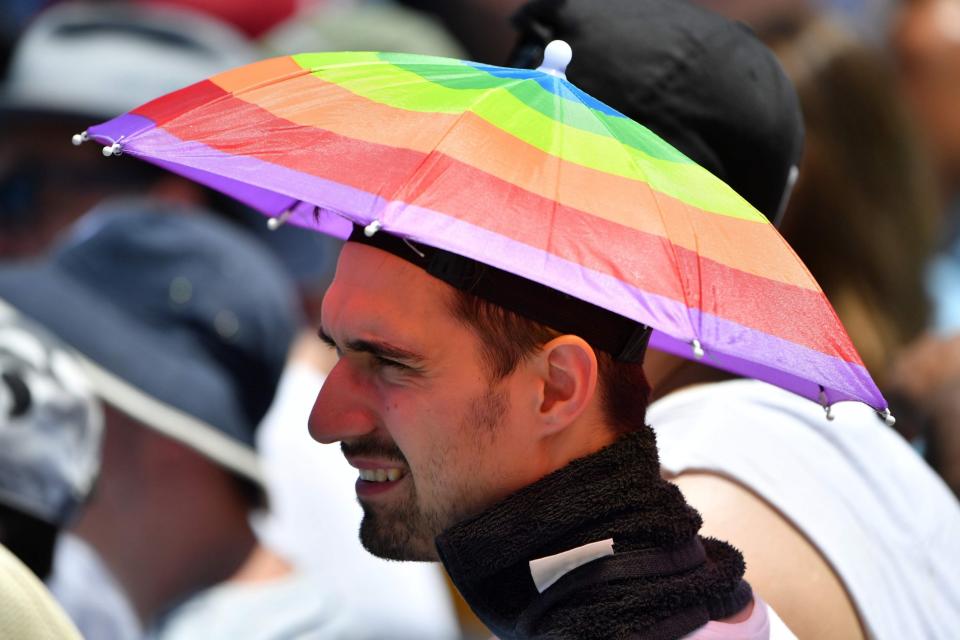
{"x": 701, "y": 82}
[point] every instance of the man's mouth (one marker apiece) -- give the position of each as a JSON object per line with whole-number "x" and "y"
{"x": 381, "y": 475}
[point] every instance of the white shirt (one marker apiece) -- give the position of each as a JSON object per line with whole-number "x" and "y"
{"x": 294, "y": 606}
{"x": 762, "y": 624}
{"x": 878, "y": 514}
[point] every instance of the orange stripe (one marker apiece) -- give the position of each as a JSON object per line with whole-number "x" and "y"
{"x": 257, "y": 74}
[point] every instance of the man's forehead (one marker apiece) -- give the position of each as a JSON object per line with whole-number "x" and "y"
{"x": 374, "y": 290}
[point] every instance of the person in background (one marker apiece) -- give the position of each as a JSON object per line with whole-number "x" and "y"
{"x": 250, "y": 17}
{"x": 46, "y": 183}
{"x": 186, "y": 364}
{"x": 925, "y": 38}
{"x": 51, "y": 432}
{"x": 480, "y": 26}
{"x": 766, "y": 469}
{"x": 121, "y": 56}
{"x": 29, "y": 611}
{"x": 51, "y": 429}
{"x": 362, "y": 25}
{"x": 866, "y": 194}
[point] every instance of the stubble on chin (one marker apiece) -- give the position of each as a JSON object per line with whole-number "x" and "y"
{"x": 395, "y": 535}
{"x": 405, "y": 531}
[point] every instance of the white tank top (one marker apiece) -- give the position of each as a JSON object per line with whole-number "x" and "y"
{"x": 878, "y": 514}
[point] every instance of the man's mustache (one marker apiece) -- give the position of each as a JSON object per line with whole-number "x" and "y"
{"x": 372, "y": 447}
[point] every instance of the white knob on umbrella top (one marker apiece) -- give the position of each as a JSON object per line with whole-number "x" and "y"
{"x": 556, "y": 57}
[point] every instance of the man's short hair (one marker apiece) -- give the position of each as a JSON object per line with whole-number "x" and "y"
{"x": 506, "y": 338}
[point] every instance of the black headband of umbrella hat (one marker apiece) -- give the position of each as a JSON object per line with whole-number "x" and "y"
{"x": 625, "y": 339}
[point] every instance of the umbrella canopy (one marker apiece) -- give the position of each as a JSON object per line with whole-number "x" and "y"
{"x": 522, "y": 171}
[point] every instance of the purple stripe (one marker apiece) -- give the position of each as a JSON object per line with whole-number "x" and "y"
{"x": 120, "y": 128}
{"x": 778, "y": 361}
{"x": 841, "y": 380}
{"x": 287, "y": 188}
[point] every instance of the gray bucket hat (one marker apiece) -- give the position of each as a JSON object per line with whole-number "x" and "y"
{"x": 182, "y": 321}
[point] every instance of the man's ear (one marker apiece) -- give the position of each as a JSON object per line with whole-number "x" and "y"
{"x": 569, "y": 372}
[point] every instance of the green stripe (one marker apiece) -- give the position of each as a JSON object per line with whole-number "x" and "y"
{"x": 466, "y": 88}
{"x": 461, "y": 77}
{"x": 532, "y": 94}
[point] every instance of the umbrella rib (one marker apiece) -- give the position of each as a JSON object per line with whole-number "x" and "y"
{"x": 551, "y": 226}
{"x": 639, "y": 169}
{"x": 416, "y": 169}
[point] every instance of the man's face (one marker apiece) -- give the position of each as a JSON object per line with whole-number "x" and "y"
{"x": 416, "y": 412}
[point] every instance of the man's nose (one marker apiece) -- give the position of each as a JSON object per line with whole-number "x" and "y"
{"x": 339, "y": 412}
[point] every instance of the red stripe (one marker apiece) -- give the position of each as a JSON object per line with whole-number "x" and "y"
{"x": 174, "y": 104}
{"x": 646, "y": 261}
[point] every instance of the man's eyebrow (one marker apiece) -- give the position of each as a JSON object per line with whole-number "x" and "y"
{"x": 327, "y": 339}
{"x": 375, "y": 347}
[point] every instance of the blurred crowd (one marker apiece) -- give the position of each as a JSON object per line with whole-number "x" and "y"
{"x": 155, "y": 468}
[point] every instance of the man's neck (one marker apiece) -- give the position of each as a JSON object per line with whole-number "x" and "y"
{"x": 605, "y": 524}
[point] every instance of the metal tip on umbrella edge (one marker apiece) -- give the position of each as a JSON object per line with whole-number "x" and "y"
{"x": 79, "y": 138}
{"x": 827, "y": 408}
{"x": 276, "y": 222}
{"x": 113, "y": 150}
{"x": 698, "y": 351}
{"x": 887, "y": 417}
{"x": 372, "y": 228}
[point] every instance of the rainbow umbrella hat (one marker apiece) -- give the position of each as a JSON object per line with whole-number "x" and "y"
{"x": 517, "y": 169}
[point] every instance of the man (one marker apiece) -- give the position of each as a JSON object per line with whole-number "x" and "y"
{"x": 498, "y": 425}
{"x": 765, "y": 468}
{"x": 515, "y": 453}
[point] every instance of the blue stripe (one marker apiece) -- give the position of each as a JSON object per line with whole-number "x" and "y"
{"x": 557, "y": 86}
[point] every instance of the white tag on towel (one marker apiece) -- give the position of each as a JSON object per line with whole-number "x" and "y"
{"x": 546, "y": 571}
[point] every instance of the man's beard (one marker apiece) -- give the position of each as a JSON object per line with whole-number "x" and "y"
{"x": 404, "y": 531}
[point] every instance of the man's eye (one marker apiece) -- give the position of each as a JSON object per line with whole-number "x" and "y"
{"x": 392, "y": 364}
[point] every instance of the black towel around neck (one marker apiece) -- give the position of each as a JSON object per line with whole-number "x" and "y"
{"x": 663, "y": 581}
